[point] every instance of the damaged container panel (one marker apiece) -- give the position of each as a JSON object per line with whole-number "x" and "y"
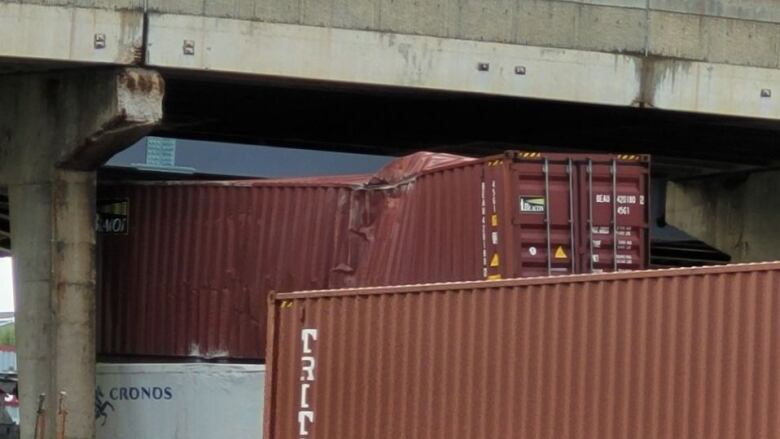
{"x": 428, "y": 231}
{"x": 190, "y": 274}
{"x": 514, "y": 215}
{"x": 187, "y": 267}
{"x": 683, "y": 353}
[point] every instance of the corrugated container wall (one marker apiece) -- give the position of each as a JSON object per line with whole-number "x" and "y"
{"x": 190, "y": 277}
{"x": 516, "y": 215}
{"x": 186, "y": 267}
{"x": 684, "y": 353}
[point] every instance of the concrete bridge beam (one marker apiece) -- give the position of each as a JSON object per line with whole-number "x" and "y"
{"x": 55, "y": 129}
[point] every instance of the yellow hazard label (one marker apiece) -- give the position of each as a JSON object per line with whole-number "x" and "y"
{"x": 494, "y": 260}
{"x": 560, "y": 253}
{"x": 494, "y": 220}
{"x": 494, "y": 277}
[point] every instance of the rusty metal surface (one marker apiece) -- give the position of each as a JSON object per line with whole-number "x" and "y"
{"x": 683, "y": 353}
{"x": 191, "y": 275}
{"x": 464, "y": 222}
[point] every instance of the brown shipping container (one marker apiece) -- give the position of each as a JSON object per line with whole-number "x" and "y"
{"x": 186, "y": 267}
{"x": 515, "y": 215}
{"x": 681, "y": 353}
{"x": 190, "y": 277}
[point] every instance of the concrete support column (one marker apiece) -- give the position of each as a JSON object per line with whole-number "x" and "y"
{"x": 737, "y": 214}
{"x": 55, "y": 129}
{"x": 54, "y": 265}
{"x": 31, "y": 220}
{"x": 73, "y": 302}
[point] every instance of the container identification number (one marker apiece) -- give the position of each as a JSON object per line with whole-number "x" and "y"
{"x": 621, "y": 199}
{"x": 625, "y": 200}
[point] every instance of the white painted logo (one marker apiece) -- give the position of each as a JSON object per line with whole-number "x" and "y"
{"x": 308, "y": 366}
{"x": 532, "y": 204}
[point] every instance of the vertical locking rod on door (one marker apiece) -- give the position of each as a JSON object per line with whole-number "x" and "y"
{"x": 614, "y": 217}
{"x": 570, "y": 171}
{"x": 547, "y": 203}
{"x": 590, "y": 213}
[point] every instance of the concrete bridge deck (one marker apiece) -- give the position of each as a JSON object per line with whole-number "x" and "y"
{"x": 713, "y": 56}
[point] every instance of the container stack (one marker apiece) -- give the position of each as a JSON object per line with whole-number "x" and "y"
{"x": 187, "y": 267}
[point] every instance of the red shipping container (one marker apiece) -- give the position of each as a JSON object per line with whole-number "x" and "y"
{"x": 681, "y": 353}
{"x": 515, "y": 215}
{"x": 186, "y": 267}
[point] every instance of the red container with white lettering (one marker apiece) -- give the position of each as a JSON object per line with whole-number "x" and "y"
{"x": 563, "y": 217}
{"x": 520, "y": 214}
{"x": 680, "y": 353}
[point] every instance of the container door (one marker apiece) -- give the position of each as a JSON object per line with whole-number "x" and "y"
{"x": 613, "y": 211}
{"x": 494, "y": 231}
{"x": 542, "y": 220}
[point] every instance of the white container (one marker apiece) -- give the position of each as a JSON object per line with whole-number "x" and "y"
{"x": 7, "y": 361}
{"x": 179, "y": 401}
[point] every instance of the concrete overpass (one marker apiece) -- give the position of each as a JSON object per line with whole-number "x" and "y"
{"x": 515, "y": 71}
{"x": 704, "y": 56}
{"x": 369, "y": 74}
{"x": 695, "y": 82}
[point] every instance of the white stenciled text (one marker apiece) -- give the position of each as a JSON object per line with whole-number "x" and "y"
{"x": 308, "y": 366}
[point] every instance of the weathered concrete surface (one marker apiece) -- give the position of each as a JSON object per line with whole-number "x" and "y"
{"x": 50, "y": 110}
{"x": 53, "y": 228}
{"x": 726, "y": 31}
{"x": 73, "y": 301}
{"x": 352, "y": 10}
{"x": 738, "y": 214}
{"x": 55, "y": 129}
{"x": 35, "y": 337}
{"x": 101, "y": 4}
{"x": 41, "y": 33}
{"x": 717, "y": 31}
{"x": 715, "y": 56}
{"x": 396, "y": 60}
{"x": 375, "y": 58}
{"x": 363, "y": 11}
{"x": 713, "y": 39}
{"x": 759, "y": 10}
{"x": 711, "y": 88}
